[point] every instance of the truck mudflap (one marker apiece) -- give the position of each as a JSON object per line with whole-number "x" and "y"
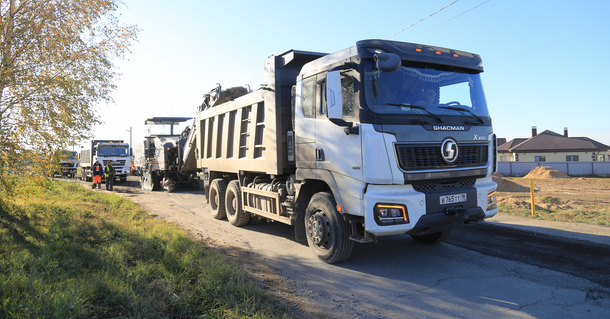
{"x": 451, "y": 218}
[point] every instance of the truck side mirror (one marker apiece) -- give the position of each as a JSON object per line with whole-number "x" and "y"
{"x": 334, "y": 99}
{"x": 387, "y": 62}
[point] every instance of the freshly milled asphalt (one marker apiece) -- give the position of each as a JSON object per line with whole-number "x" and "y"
{"x": 592, "y": 233}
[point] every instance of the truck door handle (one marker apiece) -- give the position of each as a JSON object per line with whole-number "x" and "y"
{"x": 319, "y": 154}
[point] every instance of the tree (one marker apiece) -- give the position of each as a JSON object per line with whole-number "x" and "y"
{"x": 56, "y": 67}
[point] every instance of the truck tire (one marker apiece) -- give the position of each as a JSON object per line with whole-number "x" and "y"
{"x": 434, "y": 238}
{"x": 235, "y": 213}
{"x": 123, "y": 179}
{"x": 171, "y": 186}
{"x": 327, "y": 232}
{"x": 218, "y": 190}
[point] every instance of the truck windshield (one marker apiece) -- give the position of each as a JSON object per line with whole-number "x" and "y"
{"x": 112, "y": 151}
{"x": 430, "y": 88}
{"x": 168, "y": 128}
{"x": 67, "y": 156}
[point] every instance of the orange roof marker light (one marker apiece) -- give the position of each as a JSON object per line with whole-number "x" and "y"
{"x": 418, "y": 50}
{"x": 438, "y": 52}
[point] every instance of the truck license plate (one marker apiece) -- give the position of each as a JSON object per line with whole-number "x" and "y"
{"x": 450, "y": 199}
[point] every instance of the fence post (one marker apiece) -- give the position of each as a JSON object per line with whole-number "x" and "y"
{"x": 532, "y": 197}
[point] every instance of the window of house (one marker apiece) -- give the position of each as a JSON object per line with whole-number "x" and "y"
{"x": 540, "y": 158}
{"x": 601, "y": 157}
{"x": 503, "y": 158}
{"x": 572, "y": 158}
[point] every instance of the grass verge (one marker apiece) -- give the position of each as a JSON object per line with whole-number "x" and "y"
{"x": 68, "y": 252}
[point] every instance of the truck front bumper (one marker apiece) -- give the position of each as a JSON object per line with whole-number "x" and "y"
{"x": 424, "y": 214}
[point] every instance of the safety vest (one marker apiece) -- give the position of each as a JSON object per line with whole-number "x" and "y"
{"x": 109, "y": 170}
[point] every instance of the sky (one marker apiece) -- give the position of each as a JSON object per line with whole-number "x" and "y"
{"x": 546, "y": 62}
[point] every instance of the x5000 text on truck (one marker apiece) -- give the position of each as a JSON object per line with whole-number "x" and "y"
{"x": 382, "y": 138}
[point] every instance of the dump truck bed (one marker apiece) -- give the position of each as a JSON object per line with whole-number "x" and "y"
{"x": 249, "y": 132}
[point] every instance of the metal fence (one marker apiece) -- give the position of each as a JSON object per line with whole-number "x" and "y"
{"x": 601, "y": 169}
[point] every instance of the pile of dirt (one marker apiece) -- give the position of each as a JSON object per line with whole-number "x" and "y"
{"x": 545, "y": 172}
{"x": 504, "y": 185}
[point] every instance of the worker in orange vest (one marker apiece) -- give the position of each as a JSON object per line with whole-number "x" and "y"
{"x": 97, "y": 175}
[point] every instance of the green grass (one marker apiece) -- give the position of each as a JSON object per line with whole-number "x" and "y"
{"x": 586, "y": 215}
{"x": 68, "y": 252}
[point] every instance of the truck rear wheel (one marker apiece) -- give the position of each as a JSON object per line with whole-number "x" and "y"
{"x": 218, "y": 189}
{"x": 235, "y": 213}
{"x": 171, "y": 186}
{"x": 435, "y": 238}
{"x": 327, "y": 232}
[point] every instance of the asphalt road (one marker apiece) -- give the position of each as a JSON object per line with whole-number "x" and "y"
{"x": 483, "y": 271}
{"x": 571, "y": 256}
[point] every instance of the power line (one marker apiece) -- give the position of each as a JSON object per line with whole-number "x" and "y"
{"x": 548, "y": 44}
{"x": 437, "y": 11}
{"x": 438, "y": 25}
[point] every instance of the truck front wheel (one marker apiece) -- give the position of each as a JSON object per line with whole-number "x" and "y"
{"x": 235, "y": 213}
{"x": 327, "y": 232}
{"x": 218, "y": 189}
{"x": 435, "y": 238}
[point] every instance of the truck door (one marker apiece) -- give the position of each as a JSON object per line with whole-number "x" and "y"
{"x": 305, "y": 123}
{"x": 338, "y": 152}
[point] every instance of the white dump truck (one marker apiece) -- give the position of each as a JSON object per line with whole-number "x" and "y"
{"x": 104, "y": 151}
{"x": 382, "y": 138}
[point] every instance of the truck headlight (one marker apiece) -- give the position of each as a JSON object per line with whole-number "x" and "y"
{"x": 391, "y": 214}
{"x": 491, "y": 201}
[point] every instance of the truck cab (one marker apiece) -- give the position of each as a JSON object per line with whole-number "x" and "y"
{"x": 105, "y": 151}
{"x": 409, "y": 146}
{"x": 402, "y": 135}
{"x": 68, "y": 163}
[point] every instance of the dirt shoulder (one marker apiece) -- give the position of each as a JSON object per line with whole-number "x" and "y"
{"x": 188, "y": 210}
{"x": 556, "y": 197}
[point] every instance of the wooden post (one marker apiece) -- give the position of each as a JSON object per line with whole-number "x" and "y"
{"x": 532, "y": 197}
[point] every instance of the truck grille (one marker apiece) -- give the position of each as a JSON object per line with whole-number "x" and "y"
{"x": 115, "y": 163}
{"x": 418, "y": 157}
{"x": 430, "y": 187}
